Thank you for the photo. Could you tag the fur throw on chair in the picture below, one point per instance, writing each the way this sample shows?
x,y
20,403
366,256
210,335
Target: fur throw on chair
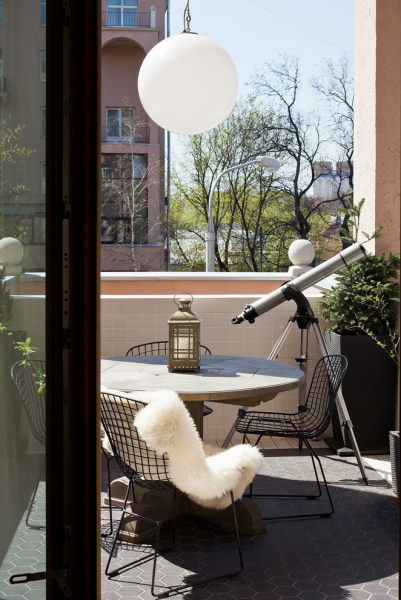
x,y
205,473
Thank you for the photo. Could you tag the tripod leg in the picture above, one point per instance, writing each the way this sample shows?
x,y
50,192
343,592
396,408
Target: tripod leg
x,y
342,408
272,356
278,345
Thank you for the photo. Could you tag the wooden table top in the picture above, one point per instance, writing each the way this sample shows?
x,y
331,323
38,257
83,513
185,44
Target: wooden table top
x,y
228,379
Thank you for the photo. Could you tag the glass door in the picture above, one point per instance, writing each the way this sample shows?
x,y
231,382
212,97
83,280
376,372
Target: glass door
x,y
22,296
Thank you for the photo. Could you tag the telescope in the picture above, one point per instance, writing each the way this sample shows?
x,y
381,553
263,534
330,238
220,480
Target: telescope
x,y
291,291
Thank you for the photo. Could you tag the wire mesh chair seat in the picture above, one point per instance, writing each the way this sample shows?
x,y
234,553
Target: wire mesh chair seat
x,y
161,349
26,375
144,468
308,423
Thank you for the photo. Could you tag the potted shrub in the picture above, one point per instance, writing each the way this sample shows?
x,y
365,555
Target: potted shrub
x,y
364,315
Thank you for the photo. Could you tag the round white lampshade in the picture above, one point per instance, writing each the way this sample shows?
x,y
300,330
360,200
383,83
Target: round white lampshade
x,y
188,84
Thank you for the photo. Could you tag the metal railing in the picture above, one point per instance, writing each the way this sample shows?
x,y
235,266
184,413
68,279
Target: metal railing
x,y
3,87
117,18
120,135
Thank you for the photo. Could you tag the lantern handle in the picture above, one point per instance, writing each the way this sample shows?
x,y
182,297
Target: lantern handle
x,y
183,293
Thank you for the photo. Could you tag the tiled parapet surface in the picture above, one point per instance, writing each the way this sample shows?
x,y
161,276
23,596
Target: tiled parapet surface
x,y
352,555
128,321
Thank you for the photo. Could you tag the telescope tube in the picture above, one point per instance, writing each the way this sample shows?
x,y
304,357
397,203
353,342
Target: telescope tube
x,y
342,259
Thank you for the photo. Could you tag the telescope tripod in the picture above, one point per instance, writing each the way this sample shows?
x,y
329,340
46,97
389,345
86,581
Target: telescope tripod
x,y
305,318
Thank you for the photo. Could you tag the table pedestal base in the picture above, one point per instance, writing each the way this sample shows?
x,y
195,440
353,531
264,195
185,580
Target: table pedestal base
x,y
154,504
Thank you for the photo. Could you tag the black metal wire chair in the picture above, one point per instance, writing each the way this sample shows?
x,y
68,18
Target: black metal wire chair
x,y
308,423
26,374
143,467
159,349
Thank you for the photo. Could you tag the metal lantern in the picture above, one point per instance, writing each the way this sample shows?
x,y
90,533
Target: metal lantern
x,y
184,337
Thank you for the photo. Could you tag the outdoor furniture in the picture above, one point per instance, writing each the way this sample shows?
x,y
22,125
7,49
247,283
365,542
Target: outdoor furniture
x,y
227,379
309,422
25,374
139,444
161,349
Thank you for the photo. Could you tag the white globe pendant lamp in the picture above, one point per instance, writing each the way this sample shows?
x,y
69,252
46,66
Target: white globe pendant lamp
x,y
188,84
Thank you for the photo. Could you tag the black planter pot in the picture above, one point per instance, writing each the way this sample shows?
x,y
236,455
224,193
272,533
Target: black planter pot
x,y
11,445
369,389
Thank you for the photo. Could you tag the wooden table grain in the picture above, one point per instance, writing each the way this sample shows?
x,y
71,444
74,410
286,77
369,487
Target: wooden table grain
x,y
234,380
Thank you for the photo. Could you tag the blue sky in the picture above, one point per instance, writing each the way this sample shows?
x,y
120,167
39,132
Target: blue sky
x,y
252,36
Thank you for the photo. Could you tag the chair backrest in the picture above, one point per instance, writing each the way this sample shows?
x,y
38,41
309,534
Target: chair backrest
x,y
26,375
327,377
156,348
141,465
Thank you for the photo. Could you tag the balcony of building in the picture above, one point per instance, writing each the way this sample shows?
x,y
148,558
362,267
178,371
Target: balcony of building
x,y
120,136
352,555
128,19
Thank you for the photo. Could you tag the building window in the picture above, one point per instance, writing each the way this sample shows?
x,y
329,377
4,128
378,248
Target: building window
x,y
1,12
43,66
119,124
43,13
43,178
124,198
43,122
39,230
122,13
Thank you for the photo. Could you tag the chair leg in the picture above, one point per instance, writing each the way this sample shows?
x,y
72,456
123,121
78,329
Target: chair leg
x,y
158,524
182,588
32,503
307,496
321,515
312,451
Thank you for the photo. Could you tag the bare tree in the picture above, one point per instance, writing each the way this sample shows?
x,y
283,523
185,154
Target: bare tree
x,y
335,86
127,180
299,139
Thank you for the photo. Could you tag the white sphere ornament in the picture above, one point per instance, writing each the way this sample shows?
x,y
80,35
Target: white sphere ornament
x,y
11,252
301,252
188,84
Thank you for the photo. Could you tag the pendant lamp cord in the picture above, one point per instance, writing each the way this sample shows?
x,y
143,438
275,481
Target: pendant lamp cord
x,y
187,18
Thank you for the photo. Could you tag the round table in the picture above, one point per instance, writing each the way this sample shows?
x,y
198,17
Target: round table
x,y
234,380
228,379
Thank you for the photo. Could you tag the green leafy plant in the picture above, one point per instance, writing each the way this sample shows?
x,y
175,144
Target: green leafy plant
x,y
353,218
25,348
360,303
41,382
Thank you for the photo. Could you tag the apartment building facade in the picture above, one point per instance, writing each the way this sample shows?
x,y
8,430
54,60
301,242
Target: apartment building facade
x,y
132,144
333,181
23,127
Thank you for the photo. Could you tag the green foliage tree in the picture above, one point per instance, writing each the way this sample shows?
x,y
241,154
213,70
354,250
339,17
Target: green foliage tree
x,y
242,197
361,302
13,189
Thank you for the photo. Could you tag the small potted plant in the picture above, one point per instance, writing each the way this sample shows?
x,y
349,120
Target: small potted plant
x,y
363,312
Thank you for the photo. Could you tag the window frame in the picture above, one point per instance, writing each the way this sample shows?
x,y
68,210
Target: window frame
x,y
120,137
114,9
43,118
41,55
42,177
42,13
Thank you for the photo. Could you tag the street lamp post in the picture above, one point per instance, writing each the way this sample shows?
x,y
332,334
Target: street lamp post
x,y
270,164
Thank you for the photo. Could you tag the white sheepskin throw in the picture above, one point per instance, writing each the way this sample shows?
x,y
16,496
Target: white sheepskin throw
x,y
205,473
